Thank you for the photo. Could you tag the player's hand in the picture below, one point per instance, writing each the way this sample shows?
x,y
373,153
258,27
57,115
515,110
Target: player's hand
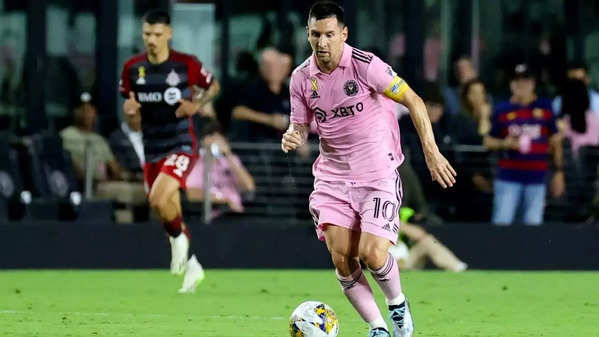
x,y
511,143
291,140
131,105
279,121
223,145
441,170
186,108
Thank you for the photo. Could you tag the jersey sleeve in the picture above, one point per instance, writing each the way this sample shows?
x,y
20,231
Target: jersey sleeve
x,y
300,113
125,81
198,74
382,79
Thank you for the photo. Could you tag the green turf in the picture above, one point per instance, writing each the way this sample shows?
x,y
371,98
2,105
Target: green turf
x,y
257,303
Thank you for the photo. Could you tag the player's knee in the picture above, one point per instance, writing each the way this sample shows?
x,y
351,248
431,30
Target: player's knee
x,y
157,202
374,256
344,263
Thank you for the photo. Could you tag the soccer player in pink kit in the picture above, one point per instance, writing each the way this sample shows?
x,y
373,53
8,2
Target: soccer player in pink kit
x,y
357,190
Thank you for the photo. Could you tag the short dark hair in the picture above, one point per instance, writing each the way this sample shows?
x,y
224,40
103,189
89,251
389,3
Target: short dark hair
x,y
327,9
208,126
577,64
430,93
154,16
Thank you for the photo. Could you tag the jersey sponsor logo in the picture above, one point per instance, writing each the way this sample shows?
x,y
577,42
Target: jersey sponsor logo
x,y
531,130
172,95
351,88
173,78
346,111
321,115
149,97
340,112
141,75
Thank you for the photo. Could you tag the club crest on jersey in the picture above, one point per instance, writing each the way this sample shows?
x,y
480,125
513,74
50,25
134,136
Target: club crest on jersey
x,y
538,113
141,75
173,78
351,88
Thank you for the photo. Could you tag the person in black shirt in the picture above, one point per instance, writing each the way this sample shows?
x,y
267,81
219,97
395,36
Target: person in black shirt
x,y
262,114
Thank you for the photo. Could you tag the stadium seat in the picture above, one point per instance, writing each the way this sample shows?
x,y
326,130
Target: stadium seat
x,y
53,182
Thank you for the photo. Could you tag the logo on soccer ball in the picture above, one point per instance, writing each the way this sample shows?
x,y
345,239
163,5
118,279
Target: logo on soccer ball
x,y
172,95
351,88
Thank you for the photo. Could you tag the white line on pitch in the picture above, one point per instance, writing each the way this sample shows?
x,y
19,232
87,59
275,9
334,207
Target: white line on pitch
x,y
22,312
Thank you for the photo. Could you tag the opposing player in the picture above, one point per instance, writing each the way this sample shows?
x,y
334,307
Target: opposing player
x,y
168,87
357,190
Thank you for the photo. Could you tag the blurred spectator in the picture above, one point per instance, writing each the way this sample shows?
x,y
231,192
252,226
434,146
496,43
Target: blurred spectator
x,y
414,195
579,71
524,129
262,113
246,70
580,125
464,72
229,178
84,144
127,145
474,121
423,246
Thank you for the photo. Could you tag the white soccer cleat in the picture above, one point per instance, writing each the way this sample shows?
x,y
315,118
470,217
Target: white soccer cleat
x,y
194,275
401,318
179,251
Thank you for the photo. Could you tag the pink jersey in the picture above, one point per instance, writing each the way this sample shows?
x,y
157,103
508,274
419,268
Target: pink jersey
x,y
359,135
224,182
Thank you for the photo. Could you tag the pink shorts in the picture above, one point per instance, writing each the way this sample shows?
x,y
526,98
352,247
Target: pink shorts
x,y
370,207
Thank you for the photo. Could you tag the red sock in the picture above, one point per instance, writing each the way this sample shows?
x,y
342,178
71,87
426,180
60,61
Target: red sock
x,y
173,227
187,232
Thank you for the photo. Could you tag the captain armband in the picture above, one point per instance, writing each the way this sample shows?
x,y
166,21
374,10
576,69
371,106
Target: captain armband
x,y
396,89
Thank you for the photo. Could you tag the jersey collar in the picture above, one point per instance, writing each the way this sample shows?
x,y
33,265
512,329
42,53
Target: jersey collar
x,y
344,62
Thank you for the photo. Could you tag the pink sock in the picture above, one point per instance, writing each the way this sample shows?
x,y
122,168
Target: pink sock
x,y
387,278
358,292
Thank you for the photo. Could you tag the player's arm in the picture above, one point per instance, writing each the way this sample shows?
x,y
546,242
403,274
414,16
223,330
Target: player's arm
x,y
558,184
203,97
131,106
497,144
440,169
275,120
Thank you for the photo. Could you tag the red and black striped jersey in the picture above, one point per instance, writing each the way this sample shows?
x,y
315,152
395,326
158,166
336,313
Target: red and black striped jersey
x,y
536,122
158,88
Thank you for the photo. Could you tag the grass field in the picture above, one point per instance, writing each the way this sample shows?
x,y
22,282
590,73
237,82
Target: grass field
x,y
243,303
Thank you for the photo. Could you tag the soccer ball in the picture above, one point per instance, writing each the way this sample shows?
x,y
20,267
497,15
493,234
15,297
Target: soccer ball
x,y
313,319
